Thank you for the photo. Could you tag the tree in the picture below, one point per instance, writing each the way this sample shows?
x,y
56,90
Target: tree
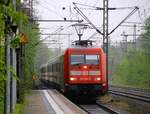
x,y
145,37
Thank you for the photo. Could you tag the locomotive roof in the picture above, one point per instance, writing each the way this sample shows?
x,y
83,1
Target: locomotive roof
x,y
81,48
51,60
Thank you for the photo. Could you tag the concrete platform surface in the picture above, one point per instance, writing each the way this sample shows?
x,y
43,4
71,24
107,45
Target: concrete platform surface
x,y
50,102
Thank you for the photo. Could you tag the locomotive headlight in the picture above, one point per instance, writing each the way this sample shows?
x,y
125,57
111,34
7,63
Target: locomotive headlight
x,y
85,67
72,79
98,78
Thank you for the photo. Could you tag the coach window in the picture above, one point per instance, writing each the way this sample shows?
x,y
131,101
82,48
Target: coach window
x,y
92,59
52,68
49,68
77,59
57,67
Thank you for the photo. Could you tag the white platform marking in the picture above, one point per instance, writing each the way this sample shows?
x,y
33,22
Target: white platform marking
x,y
56,108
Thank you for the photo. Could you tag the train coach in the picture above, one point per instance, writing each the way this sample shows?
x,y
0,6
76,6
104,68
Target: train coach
x,y
79,71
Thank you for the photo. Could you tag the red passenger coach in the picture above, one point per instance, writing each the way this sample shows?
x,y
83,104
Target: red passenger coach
x,y
78,71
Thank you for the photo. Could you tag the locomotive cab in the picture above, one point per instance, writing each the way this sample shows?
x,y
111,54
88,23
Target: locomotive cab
x,y
85,69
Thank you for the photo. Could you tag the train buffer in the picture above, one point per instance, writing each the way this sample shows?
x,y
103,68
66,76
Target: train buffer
x,y
50,102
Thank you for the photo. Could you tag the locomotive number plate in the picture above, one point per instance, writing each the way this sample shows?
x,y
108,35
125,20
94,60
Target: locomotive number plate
x,y
85,79
84,72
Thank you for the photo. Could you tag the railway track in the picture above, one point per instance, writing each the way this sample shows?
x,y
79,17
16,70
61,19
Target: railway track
x,y
98,109
138,94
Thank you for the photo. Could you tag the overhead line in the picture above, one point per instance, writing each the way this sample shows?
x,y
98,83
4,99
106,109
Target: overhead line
x,y
82,14
130,26
85,5
99,8
132,12
59,20
134,23
55,34
130,35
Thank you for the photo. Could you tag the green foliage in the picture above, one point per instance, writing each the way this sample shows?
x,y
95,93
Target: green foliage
x,y
15,42
31,48
30,52
1,107
13,73
2,79
134,67
146,37
2,68
2,24
133,71
7,10
36,53
2,82
17,17
42,56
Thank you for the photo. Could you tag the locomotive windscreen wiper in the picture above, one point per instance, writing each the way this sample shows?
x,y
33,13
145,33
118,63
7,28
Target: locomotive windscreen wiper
x,y
77,63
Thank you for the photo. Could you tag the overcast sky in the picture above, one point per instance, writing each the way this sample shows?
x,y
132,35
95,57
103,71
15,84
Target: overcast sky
x,y
59,9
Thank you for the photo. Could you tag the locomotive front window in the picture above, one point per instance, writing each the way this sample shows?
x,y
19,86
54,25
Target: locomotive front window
x,y
92,59
77,59
84,59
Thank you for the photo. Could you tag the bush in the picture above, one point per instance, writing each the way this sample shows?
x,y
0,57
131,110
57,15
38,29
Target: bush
x,y
133,71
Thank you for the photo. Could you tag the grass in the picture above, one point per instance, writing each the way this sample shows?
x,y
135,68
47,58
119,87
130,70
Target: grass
x,y
130,106
105,99
19,109
1,107
122,105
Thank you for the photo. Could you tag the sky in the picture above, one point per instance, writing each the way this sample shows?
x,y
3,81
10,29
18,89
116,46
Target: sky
x,y
60,9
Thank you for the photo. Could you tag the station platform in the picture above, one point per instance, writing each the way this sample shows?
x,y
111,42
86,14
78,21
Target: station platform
x,y
50,102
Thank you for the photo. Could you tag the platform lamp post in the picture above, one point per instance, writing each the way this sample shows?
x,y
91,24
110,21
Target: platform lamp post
x,y
79,27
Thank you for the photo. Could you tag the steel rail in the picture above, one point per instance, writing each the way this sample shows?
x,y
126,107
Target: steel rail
x,y
131,93
98,108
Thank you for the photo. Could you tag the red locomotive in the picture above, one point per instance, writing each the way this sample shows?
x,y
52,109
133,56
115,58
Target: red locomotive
x,y
78,71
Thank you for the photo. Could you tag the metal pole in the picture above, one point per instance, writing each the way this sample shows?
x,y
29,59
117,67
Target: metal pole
x,y
13,80
134,36
7,104
105,34
80,37
69,40
19,73
125,43
13,98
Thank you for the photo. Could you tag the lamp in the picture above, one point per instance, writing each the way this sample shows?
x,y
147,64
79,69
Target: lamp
x,y
79,27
